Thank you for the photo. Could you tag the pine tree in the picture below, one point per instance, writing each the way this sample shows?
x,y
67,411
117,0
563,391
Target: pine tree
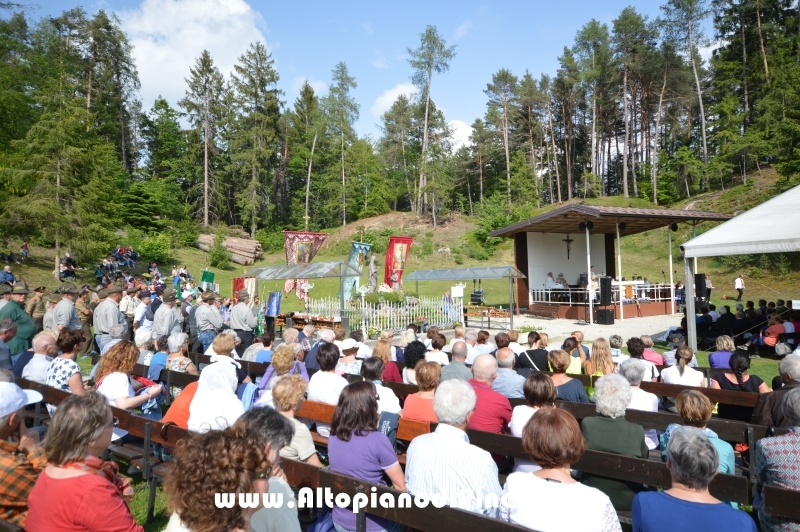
x,y
501,92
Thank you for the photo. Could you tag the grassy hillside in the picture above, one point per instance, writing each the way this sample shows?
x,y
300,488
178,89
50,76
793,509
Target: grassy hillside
x,y
644,254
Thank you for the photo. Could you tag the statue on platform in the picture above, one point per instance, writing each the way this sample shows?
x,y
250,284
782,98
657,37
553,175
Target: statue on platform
x,y
372,282
395,279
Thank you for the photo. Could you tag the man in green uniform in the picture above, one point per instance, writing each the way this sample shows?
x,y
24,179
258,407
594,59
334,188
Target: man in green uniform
x,y
15,311
37,306
85,315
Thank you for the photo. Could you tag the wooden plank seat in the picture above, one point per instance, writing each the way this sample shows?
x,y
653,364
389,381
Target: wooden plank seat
x,y
781,502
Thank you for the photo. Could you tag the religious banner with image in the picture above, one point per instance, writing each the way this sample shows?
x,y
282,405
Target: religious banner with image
x,y
396,255
357,259
300,247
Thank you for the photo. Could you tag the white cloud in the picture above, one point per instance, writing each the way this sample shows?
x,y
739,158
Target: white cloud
x,y
320,87
461,132
380,62
706,51
463,29
169,35
367,27
388,97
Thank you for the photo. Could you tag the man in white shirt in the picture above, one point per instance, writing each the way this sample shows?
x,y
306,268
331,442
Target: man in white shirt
x,y
738,284
712,311
325,385
127,305
44,349
140,314
243,321
443,462
471,338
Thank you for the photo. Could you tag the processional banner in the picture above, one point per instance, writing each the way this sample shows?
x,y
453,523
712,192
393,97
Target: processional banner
x,y
396,255
300,247
357,259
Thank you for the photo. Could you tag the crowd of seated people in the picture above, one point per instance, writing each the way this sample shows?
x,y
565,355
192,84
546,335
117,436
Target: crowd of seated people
x,y
540,493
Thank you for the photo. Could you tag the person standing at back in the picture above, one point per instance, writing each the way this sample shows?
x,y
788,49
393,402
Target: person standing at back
x,y
738,284
243,322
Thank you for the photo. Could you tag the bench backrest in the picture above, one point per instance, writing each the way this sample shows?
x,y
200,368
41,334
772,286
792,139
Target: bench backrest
x,y
251,368
781,502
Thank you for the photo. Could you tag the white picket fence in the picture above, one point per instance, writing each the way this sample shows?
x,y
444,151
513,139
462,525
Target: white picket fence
x,y
393,316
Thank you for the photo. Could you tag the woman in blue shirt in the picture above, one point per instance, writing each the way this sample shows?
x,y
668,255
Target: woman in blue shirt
x,y
692,461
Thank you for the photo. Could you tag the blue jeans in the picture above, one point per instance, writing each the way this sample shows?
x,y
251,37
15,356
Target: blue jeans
x,y
206,338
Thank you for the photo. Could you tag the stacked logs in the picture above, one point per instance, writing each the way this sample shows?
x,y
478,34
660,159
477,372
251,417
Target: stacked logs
x,y
243,251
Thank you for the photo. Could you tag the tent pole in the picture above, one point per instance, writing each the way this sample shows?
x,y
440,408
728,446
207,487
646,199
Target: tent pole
x,y
589,277
511,302
691,324
694,235
619,273
671,280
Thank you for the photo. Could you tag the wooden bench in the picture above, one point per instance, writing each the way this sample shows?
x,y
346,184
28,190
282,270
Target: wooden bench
x,y
781,502
251,368
429,519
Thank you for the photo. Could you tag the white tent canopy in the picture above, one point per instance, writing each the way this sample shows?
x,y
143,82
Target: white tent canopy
x,y
772,227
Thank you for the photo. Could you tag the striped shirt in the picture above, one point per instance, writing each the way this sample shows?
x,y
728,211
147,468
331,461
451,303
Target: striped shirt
x,y
444,462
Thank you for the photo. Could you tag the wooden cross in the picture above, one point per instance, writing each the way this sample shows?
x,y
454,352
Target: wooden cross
x,y
569,242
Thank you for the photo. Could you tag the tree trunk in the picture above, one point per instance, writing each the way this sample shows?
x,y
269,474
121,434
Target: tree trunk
x,y
480,171
553,140
469,193
567,162
654,161
308,179
746,119
627,132
700,96
634,144
122,122
411,197
205,169
505,143
344,190
423,203
594,120
761,40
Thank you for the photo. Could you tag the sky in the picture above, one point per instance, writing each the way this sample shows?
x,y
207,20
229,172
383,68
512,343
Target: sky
x,y
307,39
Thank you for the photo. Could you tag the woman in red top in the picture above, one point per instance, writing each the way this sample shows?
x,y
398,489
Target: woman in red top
x,y
78,491
419,405
383,350
774,330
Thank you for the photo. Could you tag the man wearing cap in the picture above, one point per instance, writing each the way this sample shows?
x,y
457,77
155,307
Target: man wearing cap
x,y
22,458
243,321
15,311
208,319
186,306
85,314
107,314
37,306
65,315
139,315
49,318
165,320
127,305
5,294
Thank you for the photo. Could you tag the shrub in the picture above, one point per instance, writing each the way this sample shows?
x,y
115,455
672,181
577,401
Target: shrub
x,y
218,255
459,258
186,232
392,297
373,298
271,240
477,253
156,247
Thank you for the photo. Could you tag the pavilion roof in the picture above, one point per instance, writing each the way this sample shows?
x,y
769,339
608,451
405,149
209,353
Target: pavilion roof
x,y
604,219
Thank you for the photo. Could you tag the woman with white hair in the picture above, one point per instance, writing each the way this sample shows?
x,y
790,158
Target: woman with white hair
x,y
778,459
692,462
176,360
634,370
215,405
609,432
144,342
236,341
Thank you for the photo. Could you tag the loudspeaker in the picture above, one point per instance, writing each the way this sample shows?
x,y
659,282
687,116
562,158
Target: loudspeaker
x,y
605,291
584,280
699,305
700,285
604,317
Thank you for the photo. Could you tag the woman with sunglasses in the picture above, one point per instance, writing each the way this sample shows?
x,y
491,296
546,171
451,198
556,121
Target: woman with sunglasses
x,y
78,491
356,448
64,372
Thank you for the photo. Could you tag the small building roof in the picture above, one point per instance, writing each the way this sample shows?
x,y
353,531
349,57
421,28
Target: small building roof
x,y
312,270
604,218
460,274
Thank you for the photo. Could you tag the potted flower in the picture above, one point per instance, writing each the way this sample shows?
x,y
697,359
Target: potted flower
x,y
373,332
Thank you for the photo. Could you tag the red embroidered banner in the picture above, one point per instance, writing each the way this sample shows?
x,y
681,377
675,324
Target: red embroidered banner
x,y
396,255
300,247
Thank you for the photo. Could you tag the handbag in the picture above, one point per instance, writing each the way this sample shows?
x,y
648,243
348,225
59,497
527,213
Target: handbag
x,y
782,349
